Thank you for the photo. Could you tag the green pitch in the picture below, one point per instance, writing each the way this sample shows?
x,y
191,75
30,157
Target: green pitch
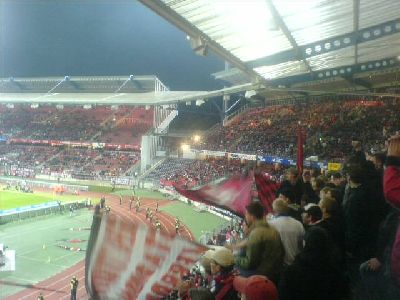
x,y
38,255
14,199
196,221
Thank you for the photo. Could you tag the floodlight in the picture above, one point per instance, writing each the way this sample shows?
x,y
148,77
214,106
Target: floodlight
x,y
185,147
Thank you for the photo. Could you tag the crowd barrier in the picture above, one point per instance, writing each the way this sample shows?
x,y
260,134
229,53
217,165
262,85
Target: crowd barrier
x,y
33,211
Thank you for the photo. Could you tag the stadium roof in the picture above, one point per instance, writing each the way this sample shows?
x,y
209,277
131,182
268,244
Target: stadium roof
x,y
82,84
287,42
101,90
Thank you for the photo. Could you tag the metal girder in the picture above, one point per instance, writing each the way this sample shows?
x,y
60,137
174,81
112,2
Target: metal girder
x,y
181,23
281,24
358,81
331,44
356,21
342,71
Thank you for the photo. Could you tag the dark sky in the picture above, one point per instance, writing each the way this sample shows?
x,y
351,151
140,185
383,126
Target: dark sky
x,y
98,37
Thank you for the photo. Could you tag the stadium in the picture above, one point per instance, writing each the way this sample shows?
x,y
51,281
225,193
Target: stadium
x,y
278,180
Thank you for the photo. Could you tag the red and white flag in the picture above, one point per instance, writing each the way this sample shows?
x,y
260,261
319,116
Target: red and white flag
x,y
267,189
132,261
234,194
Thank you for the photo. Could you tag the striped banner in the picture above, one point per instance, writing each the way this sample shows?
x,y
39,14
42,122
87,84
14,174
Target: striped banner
x,y
132,261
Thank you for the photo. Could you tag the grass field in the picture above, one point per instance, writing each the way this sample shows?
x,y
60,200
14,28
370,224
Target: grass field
x,y
14,199
196,221
35,262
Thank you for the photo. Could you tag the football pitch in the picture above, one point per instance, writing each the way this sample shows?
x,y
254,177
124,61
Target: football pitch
x,y
12,199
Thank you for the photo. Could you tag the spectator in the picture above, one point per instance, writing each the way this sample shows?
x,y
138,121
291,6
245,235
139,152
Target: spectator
x,y
294,210
221,268
313,275
376,281
255,287
357,216
264,250
392,196
292,184
311,215
333,224
290,230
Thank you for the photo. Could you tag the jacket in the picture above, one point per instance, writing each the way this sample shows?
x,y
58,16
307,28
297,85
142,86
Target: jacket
x,y
264,251
357,215
391,189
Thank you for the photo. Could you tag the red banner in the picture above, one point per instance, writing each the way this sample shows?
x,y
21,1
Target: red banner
x,y
234,194
131,261
267,189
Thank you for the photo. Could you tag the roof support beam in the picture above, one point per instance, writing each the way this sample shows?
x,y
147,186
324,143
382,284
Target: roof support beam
x,y
343,71
331,44
181,23
356,21
281,24
358,81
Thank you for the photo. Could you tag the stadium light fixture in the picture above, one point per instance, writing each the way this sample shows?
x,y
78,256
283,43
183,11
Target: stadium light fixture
x,y
185,147
196,138
199,102
34,105
10,105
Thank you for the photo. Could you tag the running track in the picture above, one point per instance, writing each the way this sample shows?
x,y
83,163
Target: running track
x,y
58,286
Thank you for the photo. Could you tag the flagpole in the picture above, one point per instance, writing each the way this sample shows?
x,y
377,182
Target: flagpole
x,y
300,148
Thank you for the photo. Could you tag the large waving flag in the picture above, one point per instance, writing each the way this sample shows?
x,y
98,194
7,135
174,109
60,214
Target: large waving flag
x,y
132,261
267,189
234,194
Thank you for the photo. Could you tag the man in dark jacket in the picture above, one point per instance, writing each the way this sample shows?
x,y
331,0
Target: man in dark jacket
x,y
264,249
357,216
293,184
313,275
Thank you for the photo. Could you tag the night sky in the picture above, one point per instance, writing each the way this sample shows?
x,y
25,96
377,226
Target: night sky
x,y
98,37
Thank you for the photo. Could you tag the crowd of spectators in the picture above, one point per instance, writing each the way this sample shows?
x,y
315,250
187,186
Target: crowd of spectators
x,y
124,125
331,235
188,173
29,161
74,123
329,128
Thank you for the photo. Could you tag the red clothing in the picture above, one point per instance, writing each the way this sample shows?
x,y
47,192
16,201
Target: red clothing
x,y
391,186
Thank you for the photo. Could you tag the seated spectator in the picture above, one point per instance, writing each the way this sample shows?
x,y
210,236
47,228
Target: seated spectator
x,y
311,215
290,230
313,275
255,287
221,262
264,250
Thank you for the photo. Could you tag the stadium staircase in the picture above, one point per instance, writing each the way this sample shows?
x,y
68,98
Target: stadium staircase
x,y
165,123
134,168
153,167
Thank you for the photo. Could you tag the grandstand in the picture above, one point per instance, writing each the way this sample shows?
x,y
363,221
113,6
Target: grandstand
x,y
310,98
